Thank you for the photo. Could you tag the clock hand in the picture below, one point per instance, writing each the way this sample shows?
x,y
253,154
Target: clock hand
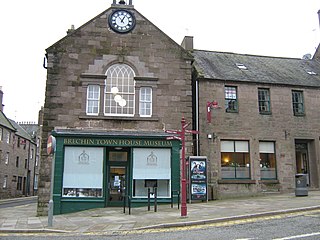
x,y
123,18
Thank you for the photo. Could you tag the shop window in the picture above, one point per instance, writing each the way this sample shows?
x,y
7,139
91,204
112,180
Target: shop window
x,y
267,160
119,91
231,100
145,107
83,172
264,101
93,99
151,164
297,103
235,160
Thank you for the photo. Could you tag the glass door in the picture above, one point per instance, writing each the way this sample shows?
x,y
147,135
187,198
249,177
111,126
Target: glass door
x,y
117,184
117,176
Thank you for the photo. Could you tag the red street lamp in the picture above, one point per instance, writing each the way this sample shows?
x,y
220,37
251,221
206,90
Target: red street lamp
x,y
181,137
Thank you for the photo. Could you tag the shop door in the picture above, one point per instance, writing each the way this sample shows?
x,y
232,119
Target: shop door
x,y
117,177
117,185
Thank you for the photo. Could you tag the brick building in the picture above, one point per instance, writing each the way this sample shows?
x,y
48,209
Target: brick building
x,y
115,84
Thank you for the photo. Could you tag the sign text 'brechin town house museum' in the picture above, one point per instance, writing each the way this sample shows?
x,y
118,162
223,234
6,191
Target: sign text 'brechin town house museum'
x,y
115,86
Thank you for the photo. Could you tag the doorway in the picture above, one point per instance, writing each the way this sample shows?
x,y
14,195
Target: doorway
x,y
117,176
302,159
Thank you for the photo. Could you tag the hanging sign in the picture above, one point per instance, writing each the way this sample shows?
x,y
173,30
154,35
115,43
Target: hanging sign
x,y
198,177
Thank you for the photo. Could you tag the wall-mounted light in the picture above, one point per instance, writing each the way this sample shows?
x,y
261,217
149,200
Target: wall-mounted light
x,y
211,105
212,136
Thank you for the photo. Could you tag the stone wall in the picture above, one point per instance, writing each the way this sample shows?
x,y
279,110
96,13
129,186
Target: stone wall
x,y
88,52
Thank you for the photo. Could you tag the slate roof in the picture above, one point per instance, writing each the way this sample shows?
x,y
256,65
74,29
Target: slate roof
x,y
4,121
260,69
20,131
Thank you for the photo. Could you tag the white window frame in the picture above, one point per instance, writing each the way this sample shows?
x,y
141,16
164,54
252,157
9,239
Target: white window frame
x,y
145,98
119,91
93,100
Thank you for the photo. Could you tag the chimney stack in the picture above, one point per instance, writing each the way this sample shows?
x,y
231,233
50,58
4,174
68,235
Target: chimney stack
x,y
319,17
187,43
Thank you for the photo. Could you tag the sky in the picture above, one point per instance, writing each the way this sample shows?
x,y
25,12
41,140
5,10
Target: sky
x,y
281,28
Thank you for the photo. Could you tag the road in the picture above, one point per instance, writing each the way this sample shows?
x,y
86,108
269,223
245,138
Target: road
x,y
305,226
17,202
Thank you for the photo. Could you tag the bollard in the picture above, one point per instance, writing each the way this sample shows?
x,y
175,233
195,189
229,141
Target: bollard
x,y
155,198
148,199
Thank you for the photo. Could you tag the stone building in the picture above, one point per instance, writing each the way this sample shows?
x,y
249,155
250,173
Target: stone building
x,y
117,83
114,85
259,121
17,159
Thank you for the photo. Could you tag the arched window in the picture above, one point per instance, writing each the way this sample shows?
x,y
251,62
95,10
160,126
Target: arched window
x,y
119,91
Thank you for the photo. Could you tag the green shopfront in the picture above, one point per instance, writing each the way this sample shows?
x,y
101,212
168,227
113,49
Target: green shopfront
x,y
97,169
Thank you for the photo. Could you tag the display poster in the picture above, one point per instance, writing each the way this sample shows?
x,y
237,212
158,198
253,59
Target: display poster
x,y
198,177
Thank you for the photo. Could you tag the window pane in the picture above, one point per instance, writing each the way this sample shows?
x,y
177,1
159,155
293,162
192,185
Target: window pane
x,y
264,100
227,146
83,172
145,107
267,160
297,102
266,147
93,99
235,160
242,146
231,102
119,90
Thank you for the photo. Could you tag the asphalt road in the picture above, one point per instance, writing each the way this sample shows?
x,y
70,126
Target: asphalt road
x,y
305,226
17,202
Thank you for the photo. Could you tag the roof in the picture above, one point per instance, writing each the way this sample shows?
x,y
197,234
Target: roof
x,y
257,69
4,121
20,131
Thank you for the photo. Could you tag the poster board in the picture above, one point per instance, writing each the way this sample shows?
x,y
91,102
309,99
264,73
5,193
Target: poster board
x,y
198,178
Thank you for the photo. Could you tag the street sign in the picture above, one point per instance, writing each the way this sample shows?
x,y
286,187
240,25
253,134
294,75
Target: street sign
x,y
51,144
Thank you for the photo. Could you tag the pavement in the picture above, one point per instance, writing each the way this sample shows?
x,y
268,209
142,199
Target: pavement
x,y
23,219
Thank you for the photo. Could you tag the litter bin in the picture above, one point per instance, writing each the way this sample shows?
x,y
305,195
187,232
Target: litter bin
x,y
301,184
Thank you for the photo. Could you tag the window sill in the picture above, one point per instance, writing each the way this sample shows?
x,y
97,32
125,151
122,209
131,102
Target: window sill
x,y
269,181
265,113
236,181
134,118
299,114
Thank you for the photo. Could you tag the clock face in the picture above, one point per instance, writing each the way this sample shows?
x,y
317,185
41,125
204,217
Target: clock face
x,y
122,21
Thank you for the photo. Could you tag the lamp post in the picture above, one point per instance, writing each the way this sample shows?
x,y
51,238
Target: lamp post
x,y
181,137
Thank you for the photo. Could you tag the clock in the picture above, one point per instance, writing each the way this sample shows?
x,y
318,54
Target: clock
x,y
122,21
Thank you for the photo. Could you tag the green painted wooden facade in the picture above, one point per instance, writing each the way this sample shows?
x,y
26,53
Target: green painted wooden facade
x,y
64,204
